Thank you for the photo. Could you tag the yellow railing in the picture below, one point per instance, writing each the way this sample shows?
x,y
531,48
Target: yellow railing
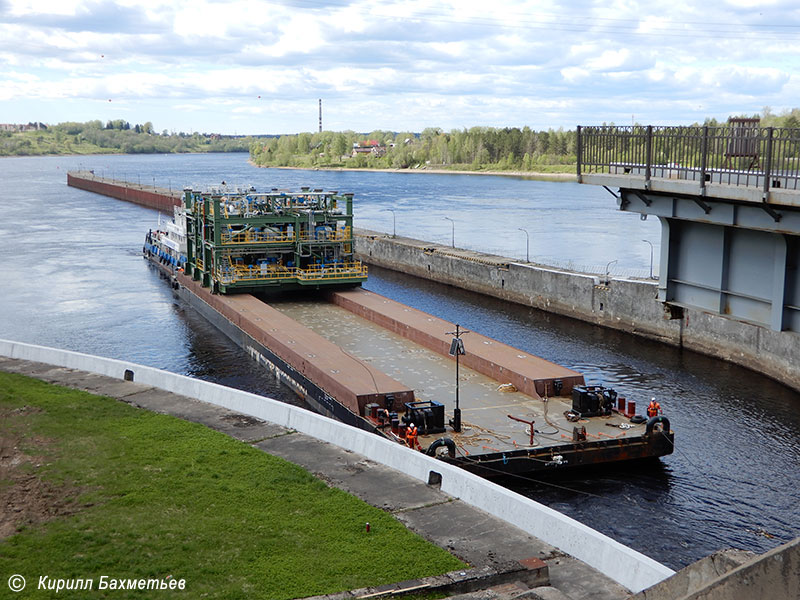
x,y
236,274
255,237
336,235
200,264
325,272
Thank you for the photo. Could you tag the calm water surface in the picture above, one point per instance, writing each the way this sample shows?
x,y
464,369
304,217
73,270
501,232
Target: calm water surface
x,y
73,277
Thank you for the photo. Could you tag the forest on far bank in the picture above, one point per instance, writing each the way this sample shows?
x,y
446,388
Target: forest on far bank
x,y
478,148
474,149
113,137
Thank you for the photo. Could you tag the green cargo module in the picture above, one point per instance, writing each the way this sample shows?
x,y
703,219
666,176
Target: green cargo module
x,y
244,241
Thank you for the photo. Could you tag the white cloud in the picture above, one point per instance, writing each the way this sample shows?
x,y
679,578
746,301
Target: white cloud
x,y
574,74
397,64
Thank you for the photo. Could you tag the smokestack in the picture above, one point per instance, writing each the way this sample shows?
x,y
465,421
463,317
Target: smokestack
x,y
320,115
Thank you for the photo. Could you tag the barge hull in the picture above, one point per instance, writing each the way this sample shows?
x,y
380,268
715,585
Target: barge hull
x,y
152,197
568,456
279,343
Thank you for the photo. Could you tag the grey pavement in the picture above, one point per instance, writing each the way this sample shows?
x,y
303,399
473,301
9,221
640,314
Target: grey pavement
x,y
472,535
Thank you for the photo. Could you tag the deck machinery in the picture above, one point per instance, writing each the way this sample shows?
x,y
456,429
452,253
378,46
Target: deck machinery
x,y
243,241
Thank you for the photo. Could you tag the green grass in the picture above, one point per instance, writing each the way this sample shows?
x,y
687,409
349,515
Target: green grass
x,y
158,496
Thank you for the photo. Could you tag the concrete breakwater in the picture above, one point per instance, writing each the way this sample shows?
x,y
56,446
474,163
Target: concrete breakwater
x,y
624,304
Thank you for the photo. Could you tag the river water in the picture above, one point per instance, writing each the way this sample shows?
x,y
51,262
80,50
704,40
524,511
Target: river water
x,y
73,278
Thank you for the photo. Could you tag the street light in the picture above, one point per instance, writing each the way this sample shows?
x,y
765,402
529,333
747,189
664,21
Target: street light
x,y
453,238
394,221
608,269
527,244
457,349
651,257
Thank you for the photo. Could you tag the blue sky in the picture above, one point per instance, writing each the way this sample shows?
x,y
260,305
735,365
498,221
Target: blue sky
x,y
248,66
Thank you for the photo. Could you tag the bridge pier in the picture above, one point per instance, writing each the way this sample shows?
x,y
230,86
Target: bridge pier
x,y
730,242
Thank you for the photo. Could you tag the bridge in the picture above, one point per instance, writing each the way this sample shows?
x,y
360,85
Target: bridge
x,y
728,199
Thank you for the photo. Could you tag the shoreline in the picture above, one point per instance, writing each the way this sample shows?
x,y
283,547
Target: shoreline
x,y
521,174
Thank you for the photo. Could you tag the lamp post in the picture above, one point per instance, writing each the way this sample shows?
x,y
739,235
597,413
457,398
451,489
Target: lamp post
x,y
651,257
453,237
527,244
608,269
394,222
457,349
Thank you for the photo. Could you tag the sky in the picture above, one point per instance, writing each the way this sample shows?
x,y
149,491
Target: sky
x,y
256,67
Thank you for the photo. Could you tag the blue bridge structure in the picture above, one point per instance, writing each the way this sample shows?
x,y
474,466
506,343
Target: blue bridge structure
x,y
728,199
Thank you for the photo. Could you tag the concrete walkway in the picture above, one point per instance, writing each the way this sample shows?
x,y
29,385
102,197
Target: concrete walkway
x,y
483,541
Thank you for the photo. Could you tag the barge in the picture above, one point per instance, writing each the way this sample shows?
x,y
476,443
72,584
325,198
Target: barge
x,y
377,364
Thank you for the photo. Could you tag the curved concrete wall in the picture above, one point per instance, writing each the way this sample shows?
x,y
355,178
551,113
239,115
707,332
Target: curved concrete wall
x,y
626,566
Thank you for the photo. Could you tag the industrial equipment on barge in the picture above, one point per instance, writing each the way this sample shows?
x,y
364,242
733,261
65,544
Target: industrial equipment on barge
x,y
521,413
245,241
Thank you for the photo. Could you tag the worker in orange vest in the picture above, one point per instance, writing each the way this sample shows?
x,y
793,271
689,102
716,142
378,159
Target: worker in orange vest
x,y
654,408
411,437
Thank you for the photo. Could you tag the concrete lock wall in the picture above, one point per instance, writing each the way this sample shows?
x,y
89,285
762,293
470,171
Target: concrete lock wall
x,y
626,566
628,305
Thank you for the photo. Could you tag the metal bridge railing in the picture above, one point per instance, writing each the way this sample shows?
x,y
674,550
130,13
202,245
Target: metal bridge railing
x,y
764,157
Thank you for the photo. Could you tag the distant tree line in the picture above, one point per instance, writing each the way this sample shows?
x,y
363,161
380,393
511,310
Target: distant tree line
x,y
477,148
117,136
510,148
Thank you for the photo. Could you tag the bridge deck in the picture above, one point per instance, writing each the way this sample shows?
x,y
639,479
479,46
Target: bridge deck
x,y
732,162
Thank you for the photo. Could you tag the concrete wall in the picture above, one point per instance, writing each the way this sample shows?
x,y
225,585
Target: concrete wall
x,y
735,575
774,575
626,566
628,305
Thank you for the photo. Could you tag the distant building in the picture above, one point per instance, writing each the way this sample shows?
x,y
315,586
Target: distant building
x,y
372,147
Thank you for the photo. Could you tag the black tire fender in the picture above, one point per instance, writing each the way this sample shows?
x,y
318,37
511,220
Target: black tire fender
x,y
440,442
653,421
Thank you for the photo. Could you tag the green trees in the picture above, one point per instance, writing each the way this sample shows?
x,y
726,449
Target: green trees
x,y
477,148
117,136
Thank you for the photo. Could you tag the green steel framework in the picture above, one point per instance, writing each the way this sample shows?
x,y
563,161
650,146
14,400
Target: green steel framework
x,y
244,241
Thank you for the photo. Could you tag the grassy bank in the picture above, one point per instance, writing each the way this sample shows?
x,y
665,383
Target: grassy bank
x,y
537,175
107,489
